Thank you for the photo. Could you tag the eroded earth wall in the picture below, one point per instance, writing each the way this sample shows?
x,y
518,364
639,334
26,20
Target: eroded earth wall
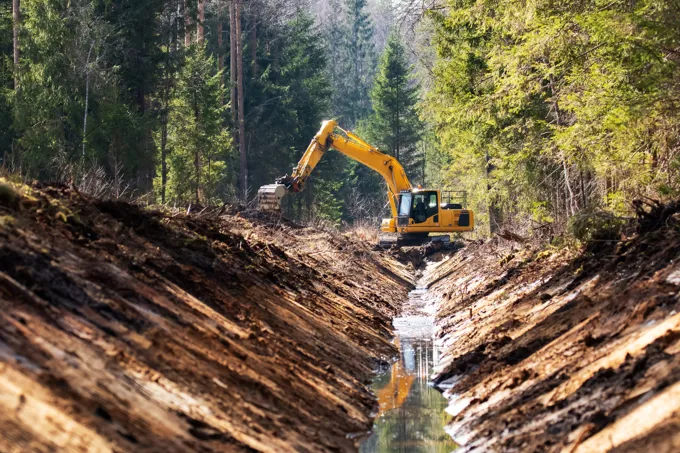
x,y
128,330
557,351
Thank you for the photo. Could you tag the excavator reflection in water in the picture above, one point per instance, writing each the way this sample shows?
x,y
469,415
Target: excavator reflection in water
x,y
393,395
412,415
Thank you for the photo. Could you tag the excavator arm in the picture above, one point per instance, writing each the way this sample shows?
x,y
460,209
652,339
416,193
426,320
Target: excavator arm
x,y
348,144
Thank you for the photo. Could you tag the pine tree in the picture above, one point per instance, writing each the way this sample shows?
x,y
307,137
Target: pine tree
x,y
395,127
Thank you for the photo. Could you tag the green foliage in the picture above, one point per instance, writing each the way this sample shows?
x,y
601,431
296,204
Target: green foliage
x,y
327,204
69,65
562,106
349,36
394,126
6,80
110,84
285,105
351,50
596,226
198,144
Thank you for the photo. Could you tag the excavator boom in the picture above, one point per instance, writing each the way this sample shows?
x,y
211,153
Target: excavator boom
x,y
349,144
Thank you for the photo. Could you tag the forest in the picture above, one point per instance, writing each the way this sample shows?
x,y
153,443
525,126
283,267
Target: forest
x,y
159,294
546,113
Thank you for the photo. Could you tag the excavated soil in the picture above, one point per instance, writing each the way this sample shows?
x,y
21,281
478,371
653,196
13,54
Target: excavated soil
x,y
559,351
124,329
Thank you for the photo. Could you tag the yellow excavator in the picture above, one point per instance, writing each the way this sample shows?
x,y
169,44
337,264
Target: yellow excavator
x,y
416,212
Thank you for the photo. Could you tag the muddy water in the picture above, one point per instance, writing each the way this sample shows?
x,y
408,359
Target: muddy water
x,y
412,414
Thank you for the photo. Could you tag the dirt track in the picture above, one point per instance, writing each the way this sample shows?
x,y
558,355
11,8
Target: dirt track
x,y
559,352
126,330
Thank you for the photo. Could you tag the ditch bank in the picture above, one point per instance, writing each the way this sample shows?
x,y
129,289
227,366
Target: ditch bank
x,y
124,329
558,351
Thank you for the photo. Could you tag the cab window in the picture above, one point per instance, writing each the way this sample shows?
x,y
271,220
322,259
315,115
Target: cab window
x,y
425,205
405,204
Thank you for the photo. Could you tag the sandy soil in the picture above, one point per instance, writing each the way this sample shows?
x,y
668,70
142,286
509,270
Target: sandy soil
x,y
563,351
123,329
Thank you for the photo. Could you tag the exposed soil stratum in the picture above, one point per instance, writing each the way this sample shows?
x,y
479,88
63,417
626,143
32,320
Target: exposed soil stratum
x,y
557,351
125,329
128,330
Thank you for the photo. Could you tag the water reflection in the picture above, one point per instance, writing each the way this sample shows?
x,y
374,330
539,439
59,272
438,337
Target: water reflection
x,y
412,414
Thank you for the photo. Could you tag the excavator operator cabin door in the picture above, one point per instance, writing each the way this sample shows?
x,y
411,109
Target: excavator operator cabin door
x,y
425,205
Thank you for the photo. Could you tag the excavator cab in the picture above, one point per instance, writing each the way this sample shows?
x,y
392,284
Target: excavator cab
x,y
418,207
424,211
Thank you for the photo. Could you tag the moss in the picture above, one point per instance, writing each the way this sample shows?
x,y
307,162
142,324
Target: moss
x,y
544,254
7,221
9,196
60,215
16,194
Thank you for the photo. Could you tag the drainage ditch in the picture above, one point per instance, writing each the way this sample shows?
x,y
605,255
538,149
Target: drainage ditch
x,y
412,415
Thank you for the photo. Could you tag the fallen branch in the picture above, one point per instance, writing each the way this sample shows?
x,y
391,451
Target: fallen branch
x,y
513,237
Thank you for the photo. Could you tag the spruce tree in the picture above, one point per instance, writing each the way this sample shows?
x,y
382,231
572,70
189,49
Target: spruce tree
x,y
198,143
352,55
394,126
361,60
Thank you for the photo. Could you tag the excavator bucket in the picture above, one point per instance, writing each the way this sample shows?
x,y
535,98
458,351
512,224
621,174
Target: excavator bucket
x,y
269,197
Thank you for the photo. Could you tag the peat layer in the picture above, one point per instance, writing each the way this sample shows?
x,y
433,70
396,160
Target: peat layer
x,y
123,329
558,351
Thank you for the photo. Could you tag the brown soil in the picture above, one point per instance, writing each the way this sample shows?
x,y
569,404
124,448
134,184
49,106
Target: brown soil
x,y
563,352
124,329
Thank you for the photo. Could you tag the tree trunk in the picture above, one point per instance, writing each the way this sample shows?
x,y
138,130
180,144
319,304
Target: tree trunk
x,y
243,167
253,44
187,24
16,17
569,192
232,63
197,160
424,163
164,158
493,210
87,97
173,44
220,50
397,118
200,26
558,121
584,195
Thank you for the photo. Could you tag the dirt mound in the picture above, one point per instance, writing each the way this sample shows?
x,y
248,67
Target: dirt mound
x,y
124,329
418,256
561,351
